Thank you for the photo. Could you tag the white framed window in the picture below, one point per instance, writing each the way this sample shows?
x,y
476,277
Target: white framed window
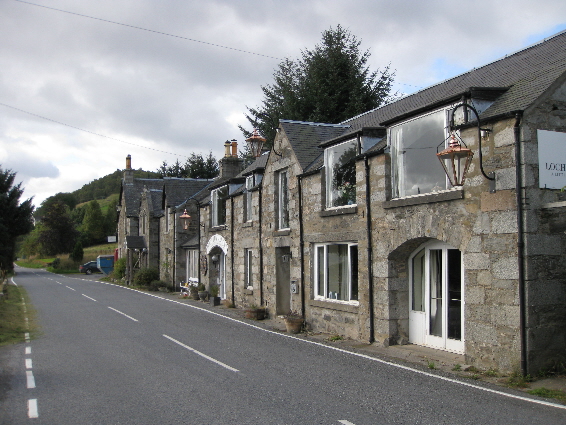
x,y
340,166
218,210
248,271
282,200
414,164
192,264
336,272
248,198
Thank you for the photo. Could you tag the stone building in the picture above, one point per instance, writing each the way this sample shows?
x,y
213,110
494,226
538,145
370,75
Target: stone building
x,y
357,227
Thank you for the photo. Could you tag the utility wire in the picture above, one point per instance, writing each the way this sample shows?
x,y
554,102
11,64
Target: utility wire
x,y
88,131
148,30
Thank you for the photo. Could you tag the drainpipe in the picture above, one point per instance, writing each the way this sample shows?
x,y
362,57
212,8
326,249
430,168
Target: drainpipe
x,y
520,243
260,249
174,250
232,247
301,245
369,252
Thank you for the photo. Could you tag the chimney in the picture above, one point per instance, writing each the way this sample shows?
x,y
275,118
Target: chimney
x,y
128,172
230,165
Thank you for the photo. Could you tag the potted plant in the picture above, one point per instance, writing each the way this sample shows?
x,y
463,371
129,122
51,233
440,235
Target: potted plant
x,y
213,292
193,289
254,312
202,292
293,322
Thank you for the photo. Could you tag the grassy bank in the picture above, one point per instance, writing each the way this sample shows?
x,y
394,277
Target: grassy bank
x,y
12,315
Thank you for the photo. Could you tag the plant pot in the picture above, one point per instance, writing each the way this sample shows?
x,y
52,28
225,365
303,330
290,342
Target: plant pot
x,y
294,324
203,295
195,296
214,301
255,313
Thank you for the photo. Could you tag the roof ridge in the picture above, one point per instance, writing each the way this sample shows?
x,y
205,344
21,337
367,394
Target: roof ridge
x,y
317,124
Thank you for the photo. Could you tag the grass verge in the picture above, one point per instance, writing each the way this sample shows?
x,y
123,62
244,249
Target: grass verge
x,y
546,393
12,316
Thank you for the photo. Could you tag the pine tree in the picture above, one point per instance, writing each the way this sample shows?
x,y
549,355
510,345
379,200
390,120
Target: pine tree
x,y
329,84
15,219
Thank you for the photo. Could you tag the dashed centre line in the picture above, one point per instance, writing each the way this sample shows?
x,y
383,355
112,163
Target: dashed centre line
x,y
123,314
32,408
30,379
86,296
28,364
202,354
70,288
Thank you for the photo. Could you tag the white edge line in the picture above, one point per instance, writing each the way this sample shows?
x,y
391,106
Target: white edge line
x,y
364,356
86,296
124,314
201,354
32,408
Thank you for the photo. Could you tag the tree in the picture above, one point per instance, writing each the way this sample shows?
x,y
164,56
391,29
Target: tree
x,y
196,167
94,225
57,234
329,84
15,219
78,252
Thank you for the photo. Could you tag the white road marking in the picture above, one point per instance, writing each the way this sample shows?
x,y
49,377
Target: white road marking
x,y
123,314
86,296
28,351
26,336
346,422
28,364
201,354
364,356
30,379
70,288
32,408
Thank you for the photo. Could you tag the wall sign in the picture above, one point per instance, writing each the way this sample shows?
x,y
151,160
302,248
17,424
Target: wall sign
x,y
551,159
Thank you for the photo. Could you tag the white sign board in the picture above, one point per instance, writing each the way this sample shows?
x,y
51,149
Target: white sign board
x,y
551,159
111,239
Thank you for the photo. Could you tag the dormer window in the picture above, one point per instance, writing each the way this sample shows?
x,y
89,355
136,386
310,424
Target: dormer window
x,y
340,165
218,210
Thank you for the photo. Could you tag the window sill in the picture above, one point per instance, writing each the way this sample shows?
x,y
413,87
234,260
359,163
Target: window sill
x,y
248,224
335,305
347,209
217,228
283,232
426,198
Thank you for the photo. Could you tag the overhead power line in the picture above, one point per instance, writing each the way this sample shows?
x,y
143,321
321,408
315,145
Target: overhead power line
x,y
88,131
148,30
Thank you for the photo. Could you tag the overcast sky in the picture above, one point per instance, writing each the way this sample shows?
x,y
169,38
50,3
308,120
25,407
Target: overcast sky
x,y
182,83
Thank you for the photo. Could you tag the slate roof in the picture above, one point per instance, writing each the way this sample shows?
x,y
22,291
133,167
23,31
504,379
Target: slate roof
x,y
177,191
258,164
305,137
526,73
135,242
132,194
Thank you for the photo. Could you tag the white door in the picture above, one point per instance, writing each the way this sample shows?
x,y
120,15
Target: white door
x,y
436,297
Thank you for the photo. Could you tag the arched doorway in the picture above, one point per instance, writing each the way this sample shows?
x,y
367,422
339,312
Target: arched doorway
x,y
216,249
436,294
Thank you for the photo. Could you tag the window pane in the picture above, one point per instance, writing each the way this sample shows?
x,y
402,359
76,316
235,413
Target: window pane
x,y
320,271
418,289
354,272
454,294
341,174
413,154
435,292
338,272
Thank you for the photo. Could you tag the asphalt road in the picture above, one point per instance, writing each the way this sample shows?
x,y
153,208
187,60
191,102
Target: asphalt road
x,y
110,355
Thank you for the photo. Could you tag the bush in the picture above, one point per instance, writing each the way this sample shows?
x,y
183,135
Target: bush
x,y
119,268
156,284
144,277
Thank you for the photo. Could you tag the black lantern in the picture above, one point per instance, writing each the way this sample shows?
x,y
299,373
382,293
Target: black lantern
x,y
255,143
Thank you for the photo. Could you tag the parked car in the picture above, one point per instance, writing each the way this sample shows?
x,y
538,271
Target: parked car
x,y
89,268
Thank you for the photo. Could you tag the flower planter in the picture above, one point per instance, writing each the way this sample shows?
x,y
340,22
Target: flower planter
x,y
255,313
294,324
214,301
203,295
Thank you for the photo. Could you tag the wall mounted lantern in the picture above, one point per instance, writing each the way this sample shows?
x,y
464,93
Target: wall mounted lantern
x,y
456,159
186,219
255,143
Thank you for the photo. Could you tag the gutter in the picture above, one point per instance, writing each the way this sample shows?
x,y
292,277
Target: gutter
x,y
520,244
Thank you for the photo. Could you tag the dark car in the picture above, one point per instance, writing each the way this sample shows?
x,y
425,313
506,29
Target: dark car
x,y
89,268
